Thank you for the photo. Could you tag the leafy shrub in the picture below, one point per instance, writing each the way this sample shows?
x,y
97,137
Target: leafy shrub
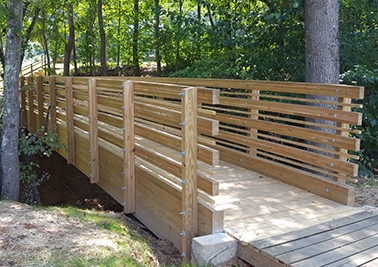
x,y
362,76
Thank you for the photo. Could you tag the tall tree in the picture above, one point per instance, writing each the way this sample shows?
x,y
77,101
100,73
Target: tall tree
x,y
102,38
157,37
9,144
178,34
135,38
71,41
322,46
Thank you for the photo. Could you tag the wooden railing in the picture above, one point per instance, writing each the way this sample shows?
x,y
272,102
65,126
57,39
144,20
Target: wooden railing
x,y
269,127
115,131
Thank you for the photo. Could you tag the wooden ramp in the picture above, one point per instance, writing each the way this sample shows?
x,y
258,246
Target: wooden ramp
x,y
281,225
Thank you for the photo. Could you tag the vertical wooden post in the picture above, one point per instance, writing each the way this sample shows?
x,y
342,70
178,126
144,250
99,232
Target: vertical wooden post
x,y
23,102
30,105
343,133
128,148
70,121
93,131
41,117
53,125
189,170
254,115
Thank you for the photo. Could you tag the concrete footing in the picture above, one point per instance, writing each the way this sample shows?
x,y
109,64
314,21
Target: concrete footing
x,y
213,250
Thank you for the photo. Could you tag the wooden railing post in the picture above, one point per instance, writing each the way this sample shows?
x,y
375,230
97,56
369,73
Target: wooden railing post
x,y
41,116
93,131
53,125
128,149
189,170
254,115
70,121
23,102
31,121
343,133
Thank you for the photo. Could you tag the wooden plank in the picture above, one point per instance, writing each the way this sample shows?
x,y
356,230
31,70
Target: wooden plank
x,y
340,193
293,131
340,252
205,154
320,237
189,170
363,258
295,109
314,250
30,105
294,153
93,130
129,148
52,96
314,230
336,90
41,117
70,121
253,256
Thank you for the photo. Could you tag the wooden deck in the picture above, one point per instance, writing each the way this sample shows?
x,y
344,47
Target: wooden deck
x,y
278,224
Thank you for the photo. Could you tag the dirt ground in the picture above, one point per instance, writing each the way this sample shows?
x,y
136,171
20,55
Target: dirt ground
x,y
367,192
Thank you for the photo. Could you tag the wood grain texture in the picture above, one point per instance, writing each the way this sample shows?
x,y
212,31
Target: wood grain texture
x,y
41,117
189,170
70,121
93,130
31,121
129,148
52,96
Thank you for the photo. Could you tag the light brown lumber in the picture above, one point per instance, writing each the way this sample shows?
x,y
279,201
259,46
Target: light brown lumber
x,y
189,170
336,90
302,155
70,121
293,131
295,109
31,120
331,190
253,256
129,148
52,96
93,131
205,154
41,118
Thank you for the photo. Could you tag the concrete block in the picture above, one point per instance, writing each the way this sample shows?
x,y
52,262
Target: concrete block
x,y
213,250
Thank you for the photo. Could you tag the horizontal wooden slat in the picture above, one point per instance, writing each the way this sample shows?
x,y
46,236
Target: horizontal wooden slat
x,y
293,131
295,109
294,153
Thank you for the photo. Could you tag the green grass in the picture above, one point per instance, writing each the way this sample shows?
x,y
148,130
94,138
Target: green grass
x,y
131,247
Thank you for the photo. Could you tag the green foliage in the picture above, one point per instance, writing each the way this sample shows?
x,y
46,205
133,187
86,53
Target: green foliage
x,y
30,148
362,76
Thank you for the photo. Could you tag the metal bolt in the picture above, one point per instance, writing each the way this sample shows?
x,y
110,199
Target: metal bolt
x,y
182,152
327,189
89,116
182,93
123,129
333,140
245,103
123,203
182,123
183,255
90,162
335,115
123,107
332,164
123,150
87,82
182,181
89,133
337,90
90,175
241,160
88,99
183,213
182,233
123,173
89,151
246,84
123,187
245,122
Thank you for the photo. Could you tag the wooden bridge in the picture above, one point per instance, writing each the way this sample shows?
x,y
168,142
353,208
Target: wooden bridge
x,y
192,157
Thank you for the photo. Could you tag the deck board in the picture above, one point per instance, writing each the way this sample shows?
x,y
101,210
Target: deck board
x,y
281,225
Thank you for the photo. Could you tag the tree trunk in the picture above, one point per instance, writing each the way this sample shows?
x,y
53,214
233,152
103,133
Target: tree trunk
x,y
45,45
210,16
135,38
76,71
157,37
322,48
71,41
102,37
11,109
178,35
